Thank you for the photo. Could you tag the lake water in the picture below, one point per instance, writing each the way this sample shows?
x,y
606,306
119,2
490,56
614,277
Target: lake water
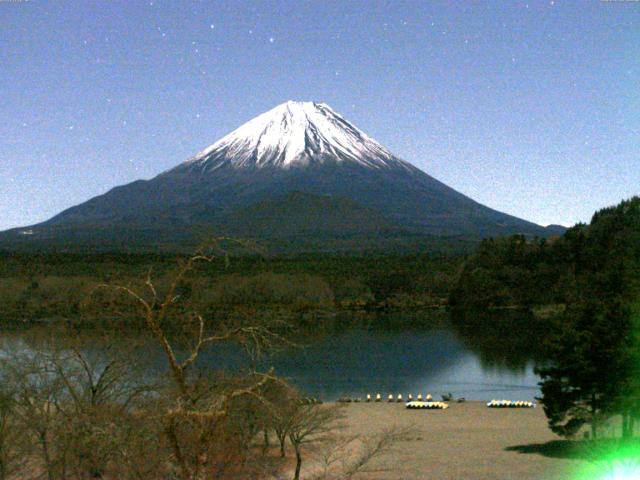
x,y
476,357
358,362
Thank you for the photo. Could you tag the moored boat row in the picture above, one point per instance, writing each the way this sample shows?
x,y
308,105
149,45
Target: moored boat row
x,y
510,404
427,405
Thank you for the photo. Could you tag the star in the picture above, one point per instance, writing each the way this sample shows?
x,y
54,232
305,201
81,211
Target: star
x,y
212,26
271,39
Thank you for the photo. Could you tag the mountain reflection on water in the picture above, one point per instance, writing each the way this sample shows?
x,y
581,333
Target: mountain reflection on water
x,y
474,355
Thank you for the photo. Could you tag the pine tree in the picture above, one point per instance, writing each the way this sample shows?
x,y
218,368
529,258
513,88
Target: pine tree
x,y
594,368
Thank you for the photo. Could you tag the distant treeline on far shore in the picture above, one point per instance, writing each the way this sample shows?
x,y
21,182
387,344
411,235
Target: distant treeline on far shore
x,y
58,285
543,275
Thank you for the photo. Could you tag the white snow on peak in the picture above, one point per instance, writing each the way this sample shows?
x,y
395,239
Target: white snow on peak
x,y
296,133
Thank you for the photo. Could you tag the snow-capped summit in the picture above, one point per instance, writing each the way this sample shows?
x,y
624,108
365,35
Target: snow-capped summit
x,y
296,134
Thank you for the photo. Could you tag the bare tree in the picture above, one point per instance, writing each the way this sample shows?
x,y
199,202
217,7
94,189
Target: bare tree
x,y
37,394
348,457
197,410
139,447
98,393
70,406
284,401
310,424
12,438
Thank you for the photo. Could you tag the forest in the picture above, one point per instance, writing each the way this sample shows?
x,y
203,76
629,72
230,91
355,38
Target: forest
x,y
50,286
591,278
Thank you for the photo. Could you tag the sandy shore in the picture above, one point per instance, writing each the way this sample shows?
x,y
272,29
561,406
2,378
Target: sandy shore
x,y
468,441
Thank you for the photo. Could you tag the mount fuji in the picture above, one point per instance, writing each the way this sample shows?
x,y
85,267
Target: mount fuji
x,y
299,174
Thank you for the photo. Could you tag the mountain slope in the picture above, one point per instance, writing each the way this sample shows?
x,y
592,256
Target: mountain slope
x,y
299,169
305,214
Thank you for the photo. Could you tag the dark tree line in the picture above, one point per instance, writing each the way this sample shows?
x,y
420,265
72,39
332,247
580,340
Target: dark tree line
x,y
595,355
591,367
54,285
514,271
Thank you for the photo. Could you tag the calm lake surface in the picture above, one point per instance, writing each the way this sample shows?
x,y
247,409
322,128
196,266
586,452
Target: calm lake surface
x,y
359,361
478,357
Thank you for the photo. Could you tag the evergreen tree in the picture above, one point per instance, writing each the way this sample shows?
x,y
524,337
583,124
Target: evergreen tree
x,y
594,368
587,370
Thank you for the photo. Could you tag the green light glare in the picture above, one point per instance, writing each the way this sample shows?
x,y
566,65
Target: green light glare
x,y
612,461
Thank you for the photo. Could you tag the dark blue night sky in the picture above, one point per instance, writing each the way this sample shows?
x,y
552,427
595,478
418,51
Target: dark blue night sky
x,y
532,108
